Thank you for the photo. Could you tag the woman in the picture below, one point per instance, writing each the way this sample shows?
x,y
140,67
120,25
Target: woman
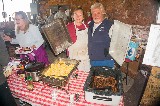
x,y
98,36
78,32
28,35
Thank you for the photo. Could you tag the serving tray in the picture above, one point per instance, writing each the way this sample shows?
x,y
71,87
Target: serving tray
x,y
57,35
58,81
107,79
104,72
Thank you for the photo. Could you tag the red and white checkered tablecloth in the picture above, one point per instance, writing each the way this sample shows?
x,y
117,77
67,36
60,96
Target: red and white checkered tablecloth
x,y
41,95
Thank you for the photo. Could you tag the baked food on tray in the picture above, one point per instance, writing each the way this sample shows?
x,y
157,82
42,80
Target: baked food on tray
x,y
23,50
58,73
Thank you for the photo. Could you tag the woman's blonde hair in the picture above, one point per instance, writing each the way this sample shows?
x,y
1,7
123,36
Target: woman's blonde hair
x,y
26,20
99,6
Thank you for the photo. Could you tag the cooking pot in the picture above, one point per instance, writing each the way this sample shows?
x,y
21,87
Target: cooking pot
x,y
32,69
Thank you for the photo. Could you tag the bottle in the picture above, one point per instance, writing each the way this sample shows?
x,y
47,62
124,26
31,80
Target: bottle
x,y
30,83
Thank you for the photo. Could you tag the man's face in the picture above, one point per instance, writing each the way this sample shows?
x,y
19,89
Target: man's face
x,y
97,15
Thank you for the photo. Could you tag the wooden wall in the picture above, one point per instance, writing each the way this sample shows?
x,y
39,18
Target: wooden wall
x,y
134,12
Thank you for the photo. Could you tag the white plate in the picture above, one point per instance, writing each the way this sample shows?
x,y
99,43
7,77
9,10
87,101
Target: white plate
x,y
20,51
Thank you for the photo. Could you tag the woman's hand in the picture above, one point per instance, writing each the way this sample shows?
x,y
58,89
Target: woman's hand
x,y
33,47
6,38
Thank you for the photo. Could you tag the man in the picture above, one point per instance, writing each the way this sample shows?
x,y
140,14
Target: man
x,y
6,98
98,37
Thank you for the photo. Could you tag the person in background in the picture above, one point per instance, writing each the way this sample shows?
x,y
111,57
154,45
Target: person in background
x,y
78,31
98,37
28,35
89,18
61,14
6,98
50,17
68,13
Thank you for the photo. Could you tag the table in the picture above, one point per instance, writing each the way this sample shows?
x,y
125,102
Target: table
x,y
41,95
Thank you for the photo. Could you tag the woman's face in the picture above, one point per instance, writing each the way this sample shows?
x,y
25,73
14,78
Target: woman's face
x,y
97,15
78,16
19,21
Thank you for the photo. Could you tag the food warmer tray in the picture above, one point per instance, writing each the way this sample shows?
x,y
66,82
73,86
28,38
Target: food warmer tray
x,y
104,95
57,82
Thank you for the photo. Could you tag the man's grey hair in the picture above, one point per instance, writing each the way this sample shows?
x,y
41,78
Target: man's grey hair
x,y
99,6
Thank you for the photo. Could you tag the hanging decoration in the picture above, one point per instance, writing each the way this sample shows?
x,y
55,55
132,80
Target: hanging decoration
x,y
4,14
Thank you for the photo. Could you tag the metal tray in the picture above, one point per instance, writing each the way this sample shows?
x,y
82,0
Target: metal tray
x,y
61,81
57,35
105,72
